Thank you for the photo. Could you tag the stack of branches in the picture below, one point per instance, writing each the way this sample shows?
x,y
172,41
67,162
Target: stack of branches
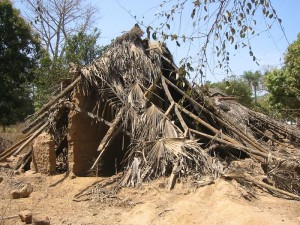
x,y
175,129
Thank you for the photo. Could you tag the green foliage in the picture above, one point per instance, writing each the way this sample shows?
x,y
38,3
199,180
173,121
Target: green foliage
x,y
62,26
263,105
292,61
19,52
254,79
283,92
49,76
284,84
236,87
82,48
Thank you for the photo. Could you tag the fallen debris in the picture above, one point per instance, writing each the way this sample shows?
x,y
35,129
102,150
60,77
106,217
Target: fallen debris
x,y
26,216
40,220
132,110
15,194
24,192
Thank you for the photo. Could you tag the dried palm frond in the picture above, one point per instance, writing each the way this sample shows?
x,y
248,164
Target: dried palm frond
x,y
286,175
169,131
136,97
159,157
148,127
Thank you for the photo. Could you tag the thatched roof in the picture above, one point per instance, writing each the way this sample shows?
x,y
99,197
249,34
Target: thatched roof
x,y
174,128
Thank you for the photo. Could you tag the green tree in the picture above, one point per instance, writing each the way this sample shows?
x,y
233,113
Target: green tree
x,y
64,29
82,48
284,84
237,87
48,78
19,51
254,79
283,92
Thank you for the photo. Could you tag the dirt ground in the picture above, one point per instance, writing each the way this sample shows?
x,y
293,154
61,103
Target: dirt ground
x,y
65,199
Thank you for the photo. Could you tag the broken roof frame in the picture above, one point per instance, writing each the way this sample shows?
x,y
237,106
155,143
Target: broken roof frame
x,y
174,128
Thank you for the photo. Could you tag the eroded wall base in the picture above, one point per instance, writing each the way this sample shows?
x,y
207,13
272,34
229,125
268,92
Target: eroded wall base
x,y
43,157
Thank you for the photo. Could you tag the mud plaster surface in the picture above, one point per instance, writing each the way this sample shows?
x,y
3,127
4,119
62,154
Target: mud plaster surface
x,y
43,157
84,135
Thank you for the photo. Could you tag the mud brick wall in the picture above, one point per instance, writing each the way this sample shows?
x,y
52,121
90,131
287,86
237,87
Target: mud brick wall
x,y
84,135
43,157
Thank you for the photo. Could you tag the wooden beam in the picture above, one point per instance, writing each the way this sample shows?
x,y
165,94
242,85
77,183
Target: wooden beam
x,y
111,130
23,160
35,122
72,106
106,139
91,115
262,184
207,125
169,109
230,126
171,100
34,135
7,153
236,146
59,96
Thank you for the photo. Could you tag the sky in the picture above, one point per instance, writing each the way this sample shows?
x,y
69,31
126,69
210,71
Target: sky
x,y
116,17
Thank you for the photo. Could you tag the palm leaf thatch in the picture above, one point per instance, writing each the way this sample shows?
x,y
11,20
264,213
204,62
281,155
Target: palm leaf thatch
x,y
172,128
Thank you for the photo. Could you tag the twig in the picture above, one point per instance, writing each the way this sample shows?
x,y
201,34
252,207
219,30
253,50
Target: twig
x,y
262,184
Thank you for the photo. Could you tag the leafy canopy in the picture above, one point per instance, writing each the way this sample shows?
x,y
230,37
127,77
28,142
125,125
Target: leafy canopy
x,y
255,80
237,87
19,52
284,84
81,49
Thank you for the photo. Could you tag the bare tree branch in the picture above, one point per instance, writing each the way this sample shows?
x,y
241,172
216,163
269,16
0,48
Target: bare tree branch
x,y
56,20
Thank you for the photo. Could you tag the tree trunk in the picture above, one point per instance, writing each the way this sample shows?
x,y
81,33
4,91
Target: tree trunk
x,y
255,95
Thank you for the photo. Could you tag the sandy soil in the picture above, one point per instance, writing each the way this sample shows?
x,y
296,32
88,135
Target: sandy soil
x,y
218,203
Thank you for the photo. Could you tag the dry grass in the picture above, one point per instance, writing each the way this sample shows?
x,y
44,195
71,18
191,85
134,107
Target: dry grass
x,y
10,135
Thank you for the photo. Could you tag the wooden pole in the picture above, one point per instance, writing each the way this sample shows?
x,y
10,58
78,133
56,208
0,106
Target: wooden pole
x,y
7,153
208,126
23,160
35,122
72,106
59,96
104,142
91,115
111,130
237,146
238,132
34,135
171,100
262,184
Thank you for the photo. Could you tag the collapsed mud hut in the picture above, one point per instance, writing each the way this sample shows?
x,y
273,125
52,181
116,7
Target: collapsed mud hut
x,y
132,112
